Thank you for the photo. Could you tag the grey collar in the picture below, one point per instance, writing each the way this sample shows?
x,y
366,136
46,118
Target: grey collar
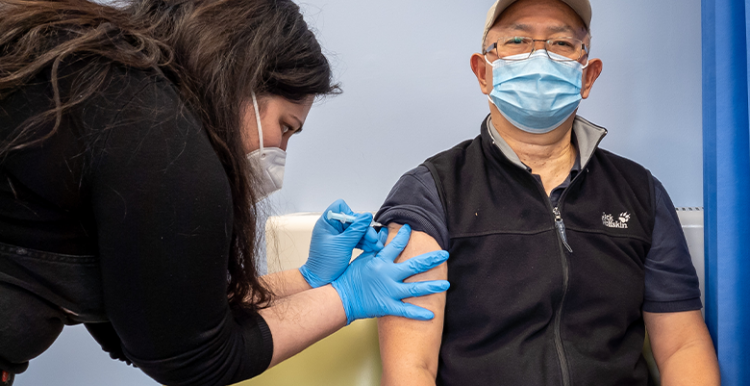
x,y
587,134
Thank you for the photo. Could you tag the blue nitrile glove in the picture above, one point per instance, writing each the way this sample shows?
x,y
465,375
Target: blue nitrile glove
x,y
373,285
373,241
332,244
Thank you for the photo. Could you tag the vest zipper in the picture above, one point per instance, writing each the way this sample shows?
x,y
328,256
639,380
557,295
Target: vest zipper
x,y
562,235
560,225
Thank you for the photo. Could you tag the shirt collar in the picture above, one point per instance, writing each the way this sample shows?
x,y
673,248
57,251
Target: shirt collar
x,y
586,134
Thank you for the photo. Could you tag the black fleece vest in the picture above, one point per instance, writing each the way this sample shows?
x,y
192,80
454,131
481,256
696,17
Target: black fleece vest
x,y
522,308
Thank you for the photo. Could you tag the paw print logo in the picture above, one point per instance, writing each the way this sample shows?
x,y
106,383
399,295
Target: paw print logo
x,y
624,217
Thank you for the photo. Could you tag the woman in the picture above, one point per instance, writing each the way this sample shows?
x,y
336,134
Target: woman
x,y
128,201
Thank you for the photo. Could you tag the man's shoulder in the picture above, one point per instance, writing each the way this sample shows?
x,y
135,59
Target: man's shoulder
x,y
619,161
626,172
460,149
454,152
418,177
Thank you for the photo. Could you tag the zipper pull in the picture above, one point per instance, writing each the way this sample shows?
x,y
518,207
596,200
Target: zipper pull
x,y
560,225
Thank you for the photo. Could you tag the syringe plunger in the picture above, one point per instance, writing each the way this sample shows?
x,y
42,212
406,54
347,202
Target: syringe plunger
x,y
344,218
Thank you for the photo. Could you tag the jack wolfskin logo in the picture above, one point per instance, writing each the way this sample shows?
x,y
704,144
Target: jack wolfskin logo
x,y
609,221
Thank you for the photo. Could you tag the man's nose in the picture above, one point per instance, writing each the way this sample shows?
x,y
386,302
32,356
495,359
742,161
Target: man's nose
x,y
539,45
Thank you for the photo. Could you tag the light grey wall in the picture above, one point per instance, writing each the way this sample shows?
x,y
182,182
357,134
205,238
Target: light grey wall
x,y
409,93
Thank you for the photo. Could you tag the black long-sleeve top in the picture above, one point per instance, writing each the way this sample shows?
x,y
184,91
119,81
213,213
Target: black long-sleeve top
x,y
131,178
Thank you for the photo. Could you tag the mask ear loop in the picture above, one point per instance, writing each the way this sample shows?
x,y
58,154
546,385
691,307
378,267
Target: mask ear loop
x,y
257,120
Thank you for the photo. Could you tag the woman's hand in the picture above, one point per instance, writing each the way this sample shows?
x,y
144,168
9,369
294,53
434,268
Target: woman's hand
x,y
333,242
373,285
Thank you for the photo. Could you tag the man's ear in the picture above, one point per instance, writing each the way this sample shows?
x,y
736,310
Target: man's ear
x,y
590,75
483,71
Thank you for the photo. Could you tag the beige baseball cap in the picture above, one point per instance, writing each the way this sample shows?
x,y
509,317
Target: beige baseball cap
x,y
581,7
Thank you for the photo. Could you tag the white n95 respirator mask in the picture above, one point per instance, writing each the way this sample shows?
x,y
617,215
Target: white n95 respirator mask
x,y
268,162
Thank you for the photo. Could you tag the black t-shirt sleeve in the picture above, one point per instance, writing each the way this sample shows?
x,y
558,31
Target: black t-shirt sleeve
x,y
671,282
415,200
163,211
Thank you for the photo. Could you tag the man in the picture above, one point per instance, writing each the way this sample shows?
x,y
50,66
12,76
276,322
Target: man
x,y
562,254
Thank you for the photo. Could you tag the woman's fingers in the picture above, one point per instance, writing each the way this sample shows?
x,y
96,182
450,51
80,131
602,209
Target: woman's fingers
x,y
412,312
423,288
360,225
383,235
421,263
397,245
371,242
338,206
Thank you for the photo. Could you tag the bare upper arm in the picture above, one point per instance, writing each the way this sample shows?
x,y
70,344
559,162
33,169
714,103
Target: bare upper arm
x,y
671,331
682,348
410,348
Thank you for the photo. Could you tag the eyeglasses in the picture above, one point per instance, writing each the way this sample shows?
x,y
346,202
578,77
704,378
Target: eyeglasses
x,y
570,48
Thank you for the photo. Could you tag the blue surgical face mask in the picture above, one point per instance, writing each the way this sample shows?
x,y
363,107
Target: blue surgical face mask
x,y
537,94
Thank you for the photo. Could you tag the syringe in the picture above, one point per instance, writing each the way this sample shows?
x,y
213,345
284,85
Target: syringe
x,y
345,218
